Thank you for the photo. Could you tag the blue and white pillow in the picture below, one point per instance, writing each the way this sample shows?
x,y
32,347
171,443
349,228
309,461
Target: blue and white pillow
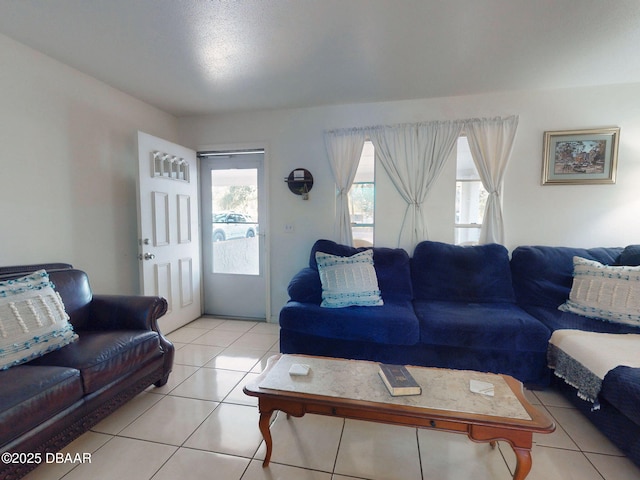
x,y
604,292
33,320
348,281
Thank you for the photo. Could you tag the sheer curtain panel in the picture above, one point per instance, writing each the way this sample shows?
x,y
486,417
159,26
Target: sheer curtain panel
x,y
413,156
344,148
491,142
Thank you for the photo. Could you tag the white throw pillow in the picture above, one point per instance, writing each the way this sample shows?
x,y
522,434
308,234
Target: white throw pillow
x,y
348,280
33,320
604,292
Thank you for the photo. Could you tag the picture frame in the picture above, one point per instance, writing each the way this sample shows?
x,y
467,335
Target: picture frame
x,y
574,157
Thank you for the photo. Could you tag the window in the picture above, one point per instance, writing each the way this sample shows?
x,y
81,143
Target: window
x,y
362,198
471,197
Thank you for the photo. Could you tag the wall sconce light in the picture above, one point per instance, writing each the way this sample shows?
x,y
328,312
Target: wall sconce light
x,y
300,182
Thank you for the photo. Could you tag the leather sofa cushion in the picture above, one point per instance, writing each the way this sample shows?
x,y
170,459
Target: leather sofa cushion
x,y
29,395
391,323
105,356
492,326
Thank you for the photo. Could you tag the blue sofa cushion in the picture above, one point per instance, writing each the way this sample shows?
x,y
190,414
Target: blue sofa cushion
x,y
454,273
621,388
555,319
391,323
492,326
543,276
391,264
630,256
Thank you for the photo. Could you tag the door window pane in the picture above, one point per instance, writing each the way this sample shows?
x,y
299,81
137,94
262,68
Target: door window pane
x,y
234,222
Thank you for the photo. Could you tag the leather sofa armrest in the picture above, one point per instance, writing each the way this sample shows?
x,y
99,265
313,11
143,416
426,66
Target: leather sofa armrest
x,y
125,312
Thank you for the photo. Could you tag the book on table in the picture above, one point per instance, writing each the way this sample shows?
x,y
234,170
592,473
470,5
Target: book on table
x,y
398,380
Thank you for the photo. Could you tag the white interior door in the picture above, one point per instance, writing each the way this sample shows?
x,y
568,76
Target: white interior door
x,y
233,235
169,236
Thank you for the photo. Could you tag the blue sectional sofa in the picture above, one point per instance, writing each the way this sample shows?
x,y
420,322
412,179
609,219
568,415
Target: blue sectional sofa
x,y
448,306
542,279
466,308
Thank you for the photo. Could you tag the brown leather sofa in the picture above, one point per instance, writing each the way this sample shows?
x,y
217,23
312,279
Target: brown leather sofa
x,y
49,401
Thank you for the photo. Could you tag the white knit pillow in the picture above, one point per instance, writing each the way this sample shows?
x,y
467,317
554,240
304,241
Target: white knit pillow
x,y
33,320
604,292
348,280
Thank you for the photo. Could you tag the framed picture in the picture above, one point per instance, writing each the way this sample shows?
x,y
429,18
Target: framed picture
x,y
580,156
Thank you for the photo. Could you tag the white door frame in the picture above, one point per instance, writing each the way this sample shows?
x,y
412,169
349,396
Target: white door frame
x,y
264,223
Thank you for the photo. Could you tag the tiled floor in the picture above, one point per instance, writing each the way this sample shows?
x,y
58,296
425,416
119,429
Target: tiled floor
x,y
201,426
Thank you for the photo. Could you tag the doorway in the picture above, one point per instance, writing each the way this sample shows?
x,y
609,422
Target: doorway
x,y
233,234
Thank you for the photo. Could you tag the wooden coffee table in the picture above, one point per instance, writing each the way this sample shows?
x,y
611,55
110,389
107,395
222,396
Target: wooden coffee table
x,y
352,389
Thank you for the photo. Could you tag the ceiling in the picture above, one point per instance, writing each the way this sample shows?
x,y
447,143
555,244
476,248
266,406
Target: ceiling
x,y
191,57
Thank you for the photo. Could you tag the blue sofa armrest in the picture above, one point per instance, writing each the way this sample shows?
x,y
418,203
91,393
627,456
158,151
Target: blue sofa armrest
x,y
305,287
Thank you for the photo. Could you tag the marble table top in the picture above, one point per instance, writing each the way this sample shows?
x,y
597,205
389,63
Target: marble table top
x,y
442,389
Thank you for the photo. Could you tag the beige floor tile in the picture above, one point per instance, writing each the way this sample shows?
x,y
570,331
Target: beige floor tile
x,y
230,429
179,373
122,458
237,325
558,439
88,442
237,396
263,341
552,398
614,468
190,464
378,451
450,456
309,442
583,432
342,477
207,323
186,334
264,327
555,464
172,420
196,355
218,337
127,413
236,358
282,472
531,397
263,362
208,384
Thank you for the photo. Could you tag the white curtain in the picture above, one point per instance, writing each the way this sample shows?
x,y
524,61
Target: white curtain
x,y
491,143
413,156
344,148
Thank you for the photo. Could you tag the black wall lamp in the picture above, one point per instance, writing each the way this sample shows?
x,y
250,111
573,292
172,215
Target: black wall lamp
x,y
300,182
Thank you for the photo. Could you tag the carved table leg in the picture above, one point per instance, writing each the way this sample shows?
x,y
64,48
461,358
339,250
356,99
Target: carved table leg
x,y
265,419
523,466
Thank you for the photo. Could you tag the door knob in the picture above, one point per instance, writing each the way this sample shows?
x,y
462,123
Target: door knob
x,y
146,256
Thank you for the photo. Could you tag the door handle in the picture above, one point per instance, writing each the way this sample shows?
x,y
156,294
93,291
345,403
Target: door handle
x,y
146,256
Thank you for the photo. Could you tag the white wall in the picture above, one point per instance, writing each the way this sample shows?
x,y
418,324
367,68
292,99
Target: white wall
x,y
580,215
68,163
